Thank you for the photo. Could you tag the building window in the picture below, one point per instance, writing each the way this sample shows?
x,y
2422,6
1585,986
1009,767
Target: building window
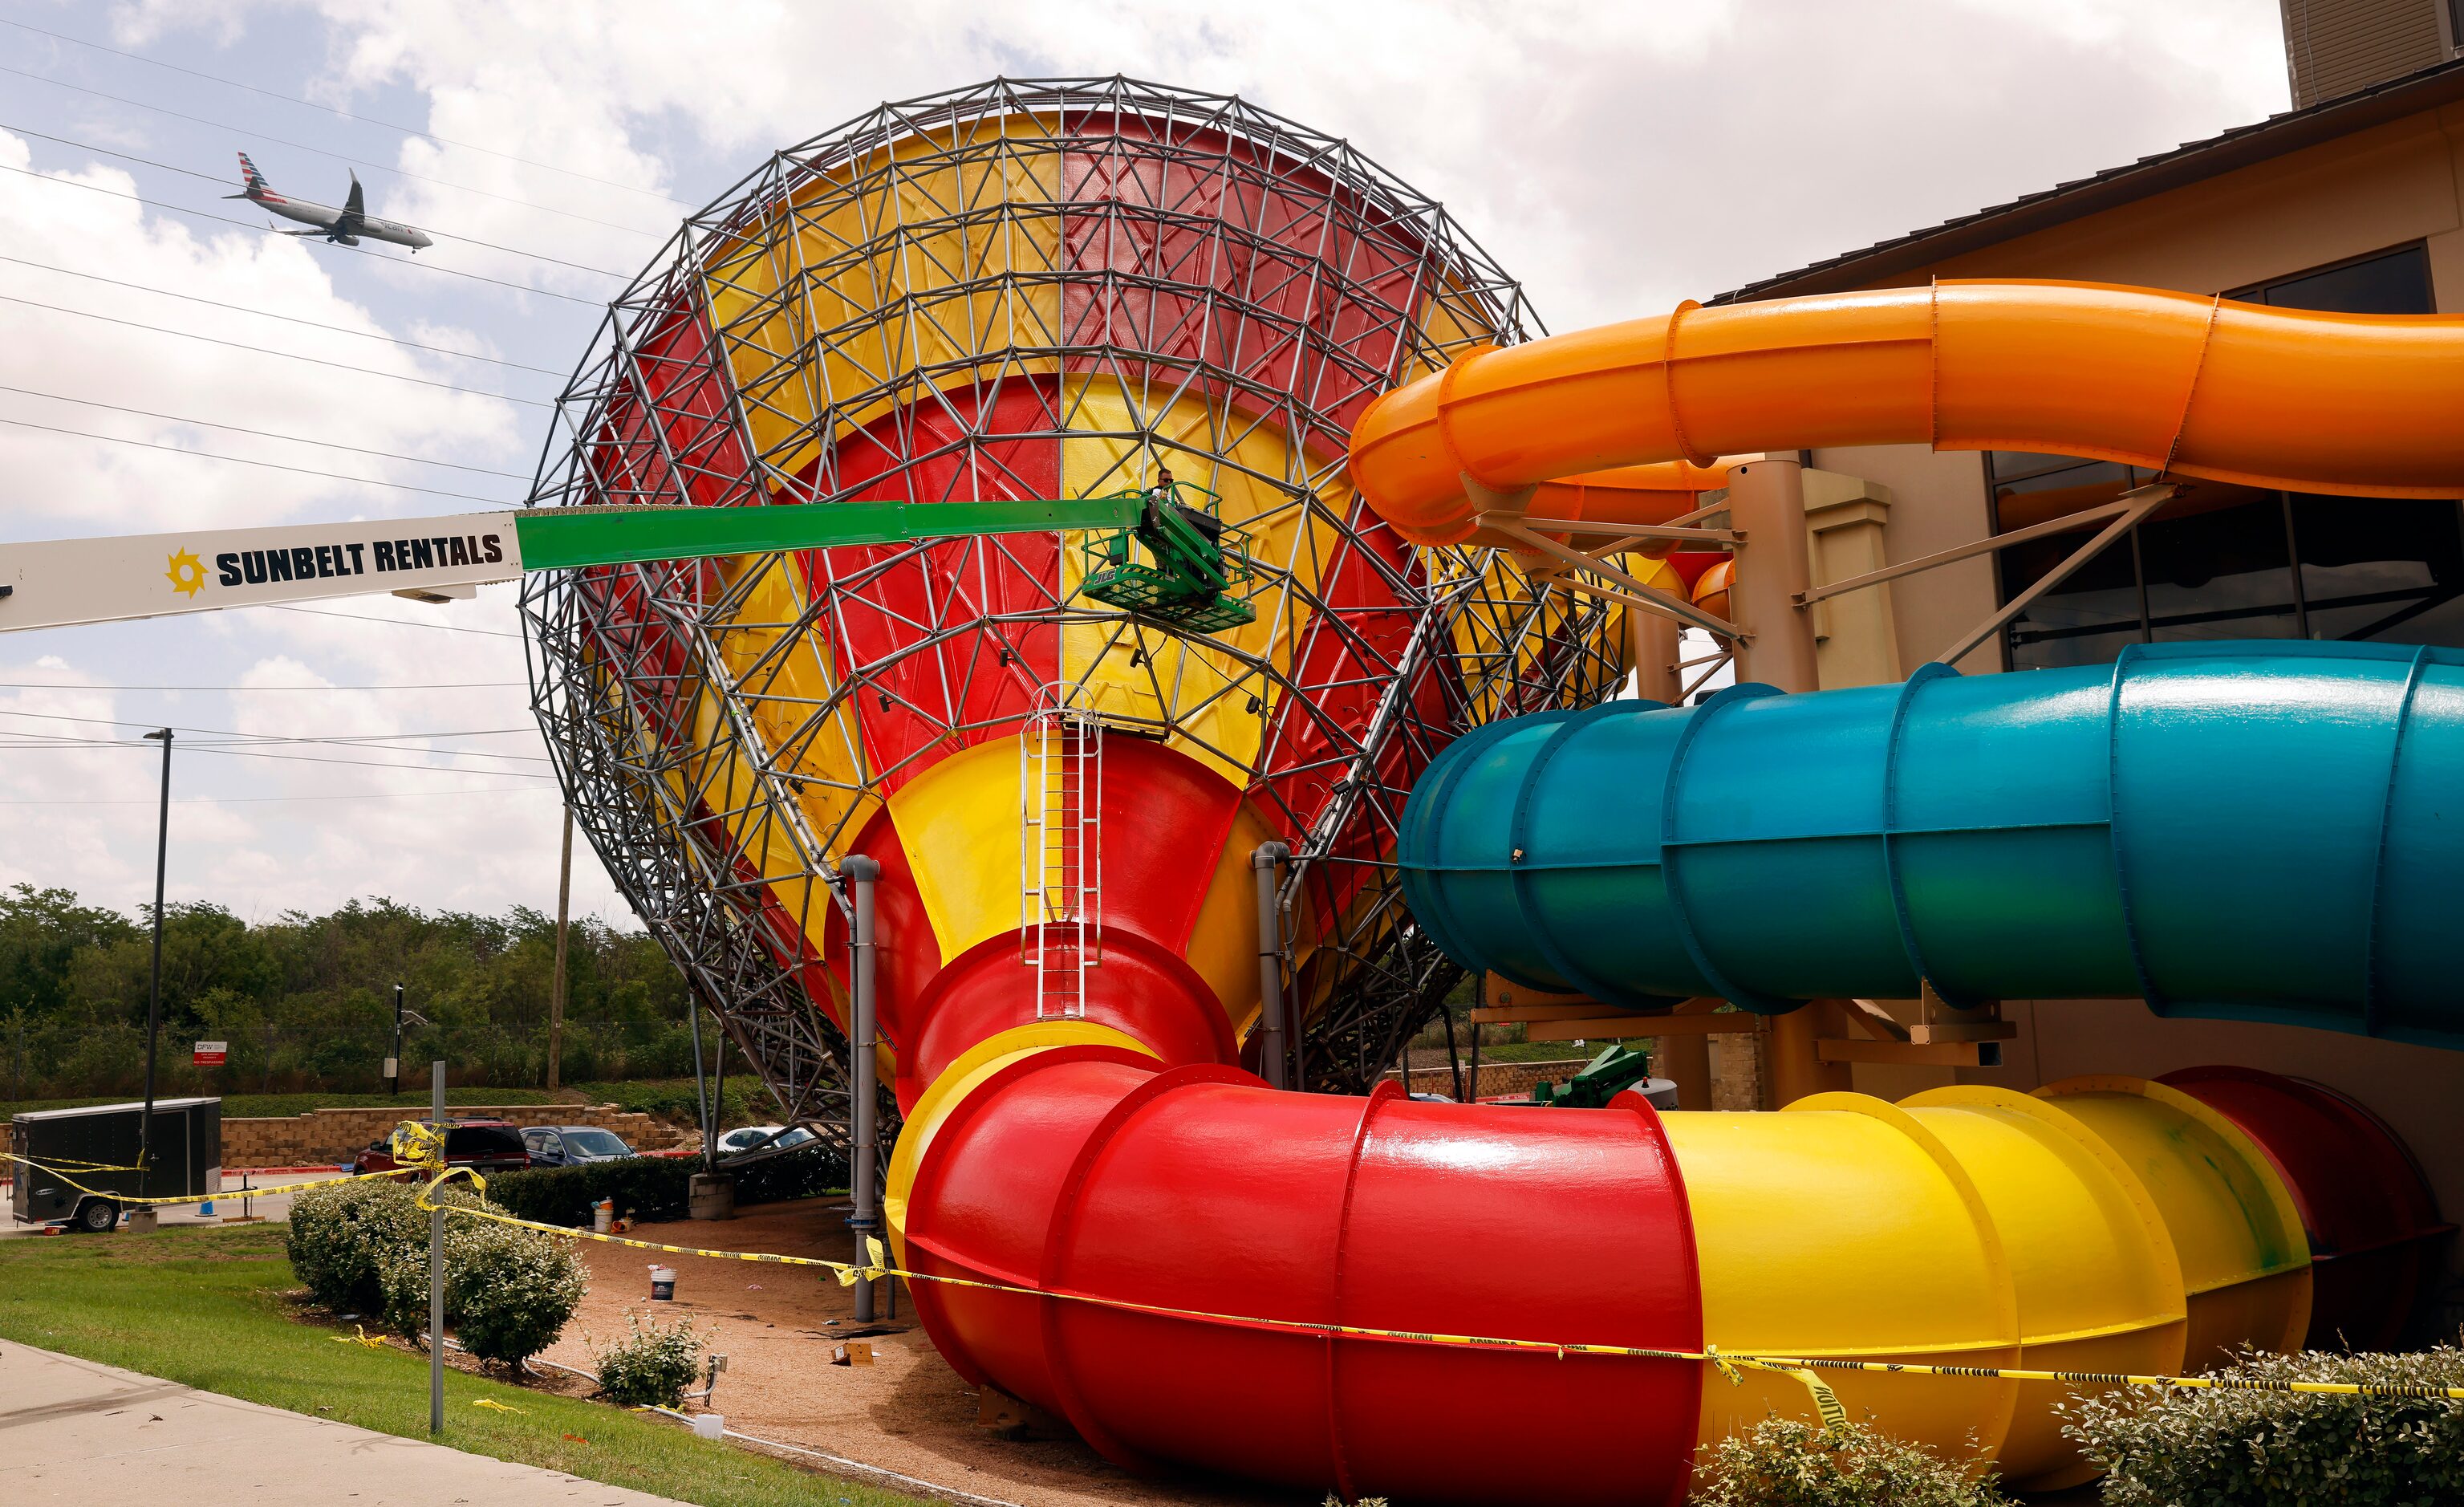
x,y
2233,562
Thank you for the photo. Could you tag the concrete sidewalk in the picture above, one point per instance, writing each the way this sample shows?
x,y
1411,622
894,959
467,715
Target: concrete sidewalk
x,y
74,1431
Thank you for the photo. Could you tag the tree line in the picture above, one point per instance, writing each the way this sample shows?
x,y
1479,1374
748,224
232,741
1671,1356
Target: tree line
x,y
306,1002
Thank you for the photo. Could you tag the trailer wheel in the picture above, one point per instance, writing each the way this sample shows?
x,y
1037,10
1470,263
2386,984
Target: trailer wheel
x,y
96,1216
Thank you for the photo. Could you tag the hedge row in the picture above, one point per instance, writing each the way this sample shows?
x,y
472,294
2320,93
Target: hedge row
x,y
658,1188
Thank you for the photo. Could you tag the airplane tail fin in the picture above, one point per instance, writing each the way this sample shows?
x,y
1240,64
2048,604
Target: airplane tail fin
x,y
255,179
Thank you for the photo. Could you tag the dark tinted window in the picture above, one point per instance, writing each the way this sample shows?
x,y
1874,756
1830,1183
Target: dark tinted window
x,y
2385,282
2233,562
482,1141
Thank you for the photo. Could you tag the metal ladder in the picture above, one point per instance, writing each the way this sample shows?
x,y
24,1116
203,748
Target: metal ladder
x,y
1061,856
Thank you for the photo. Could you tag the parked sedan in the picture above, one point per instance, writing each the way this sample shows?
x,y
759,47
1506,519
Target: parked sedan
x,y
761,1137
570,1145
486,1146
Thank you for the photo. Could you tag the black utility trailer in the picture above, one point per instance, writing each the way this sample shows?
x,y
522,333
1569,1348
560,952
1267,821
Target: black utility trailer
x,y
75,1142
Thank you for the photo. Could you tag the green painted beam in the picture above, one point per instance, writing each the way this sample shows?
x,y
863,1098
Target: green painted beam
x,y
561,539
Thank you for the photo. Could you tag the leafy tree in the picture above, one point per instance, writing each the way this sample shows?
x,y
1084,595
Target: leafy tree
x,y
307,1001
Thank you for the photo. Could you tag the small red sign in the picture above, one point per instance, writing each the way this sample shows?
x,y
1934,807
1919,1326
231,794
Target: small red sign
x,y
212,1053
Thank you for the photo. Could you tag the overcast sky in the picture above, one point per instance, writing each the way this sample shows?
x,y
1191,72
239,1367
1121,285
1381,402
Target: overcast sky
x,y
1617,157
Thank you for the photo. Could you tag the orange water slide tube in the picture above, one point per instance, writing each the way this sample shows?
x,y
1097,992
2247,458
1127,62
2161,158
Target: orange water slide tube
x,y
2371,405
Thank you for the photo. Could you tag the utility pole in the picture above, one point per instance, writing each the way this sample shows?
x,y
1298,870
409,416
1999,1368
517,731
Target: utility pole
x,y
555,990
154,984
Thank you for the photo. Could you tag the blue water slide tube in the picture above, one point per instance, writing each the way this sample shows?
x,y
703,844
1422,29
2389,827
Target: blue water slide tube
x,y
2267,831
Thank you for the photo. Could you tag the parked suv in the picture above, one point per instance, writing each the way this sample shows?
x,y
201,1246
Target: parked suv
x,y
567,1145
486,1146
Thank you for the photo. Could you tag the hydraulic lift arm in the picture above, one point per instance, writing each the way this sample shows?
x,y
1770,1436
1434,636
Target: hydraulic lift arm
x,y
58,582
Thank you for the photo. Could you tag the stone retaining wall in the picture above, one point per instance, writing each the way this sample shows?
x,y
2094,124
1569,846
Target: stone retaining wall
x,y
1516,1079
335,1136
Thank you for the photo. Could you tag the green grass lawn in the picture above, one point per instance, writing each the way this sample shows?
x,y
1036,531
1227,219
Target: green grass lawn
x,y
207,1308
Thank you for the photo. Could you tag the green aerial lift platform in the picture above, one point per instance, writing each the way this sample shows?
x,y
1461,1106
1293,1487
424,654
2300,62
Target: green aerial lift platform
x,y
1156,556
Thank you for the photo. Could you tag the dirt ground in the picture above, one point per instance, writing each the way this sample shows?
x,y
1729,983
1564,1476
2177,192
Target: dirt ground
x,y
907,1412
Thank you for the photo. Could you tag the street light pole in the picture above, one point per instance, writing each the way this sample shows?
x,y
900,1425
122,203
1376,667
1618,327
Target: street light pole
x,y
393,1063
556,992
154,983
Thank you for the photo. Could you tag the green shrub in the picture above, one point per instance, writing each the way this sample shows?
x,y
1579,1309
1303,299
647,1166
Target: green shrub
x,y
1784,1463
659,1187
644,1187
362,1247
2236,1449
508,1292
806,1172
339,1234
651,1367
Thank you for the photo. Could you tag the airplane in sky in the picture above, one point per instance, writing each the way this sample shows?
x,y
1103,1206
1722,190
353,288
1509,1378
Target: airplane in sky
x,y
347,226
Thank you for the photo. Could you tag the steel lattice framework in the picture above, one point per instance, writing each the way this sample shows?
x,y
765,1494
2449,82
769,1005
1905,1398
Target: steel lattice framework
x,y
925,304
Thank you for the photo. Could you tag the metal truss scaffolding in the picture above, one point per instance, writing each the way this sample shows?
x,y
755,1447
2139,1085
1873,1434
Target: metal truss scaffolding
x,y
1020,289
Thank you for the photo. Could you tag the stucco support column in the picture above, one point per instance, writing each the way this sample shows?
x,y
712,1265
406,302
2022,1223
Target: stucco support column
x,y
1767,506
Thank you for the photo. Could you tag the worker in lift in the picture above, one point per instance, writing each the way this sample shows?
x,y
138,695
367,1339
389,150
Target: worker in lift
x,y
1161,495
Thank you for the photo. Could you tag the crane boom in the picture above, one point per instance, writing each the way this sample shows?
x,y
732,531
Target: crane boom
x,y
60,583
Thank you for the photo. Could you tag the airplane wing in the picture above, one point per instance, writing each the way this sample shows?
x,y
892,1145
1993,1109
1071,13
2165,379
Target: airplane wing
x,y
355,210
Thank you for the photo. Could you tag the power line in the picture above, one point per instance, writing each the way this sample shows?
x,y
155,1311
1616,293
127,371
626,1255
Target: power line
x,y
267,230
277,738
449,685
220,180
264,465
287,355
287,319
371,120
393,622
382,742
356,162
258,799
262,434
139,745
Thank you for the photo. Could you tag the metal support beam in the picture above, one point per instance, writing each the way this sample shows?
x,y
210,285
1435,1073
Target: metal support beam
x,y
1274,1050
2144,501
1649,597
2068,523
1654,533
863,1043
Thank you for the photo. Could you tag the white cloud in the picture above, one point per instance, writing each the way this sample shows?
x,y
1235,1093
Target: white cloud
x,y
1616,157
100,486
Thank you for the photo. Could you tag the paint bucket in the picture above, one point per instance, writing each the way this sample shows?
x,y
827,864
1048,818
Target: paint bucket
x,y
663,1283
603,1215
710,1426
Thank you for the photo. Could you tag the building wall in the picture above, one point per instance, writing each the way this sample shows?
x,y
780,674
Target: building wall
x,y
2334,47
2378,188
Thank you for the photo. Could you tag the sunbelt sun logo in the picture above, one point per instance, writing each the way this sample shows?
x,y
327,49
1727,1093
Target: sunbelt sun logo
x,y
187,573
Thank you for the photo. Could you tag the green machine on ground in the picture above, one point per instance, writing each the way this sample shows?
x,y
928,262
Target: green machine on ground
x,y
1618,1068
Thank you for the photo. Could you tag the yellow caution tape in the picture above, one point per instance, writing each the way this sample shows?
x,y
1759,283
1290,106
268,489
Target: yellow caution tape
x,y
1802,1368
363,1338
194,1198
492,1405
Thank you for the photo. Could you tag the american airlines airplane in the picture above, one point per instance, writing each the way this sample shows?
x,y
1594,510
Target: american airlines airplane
x,y
347,226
